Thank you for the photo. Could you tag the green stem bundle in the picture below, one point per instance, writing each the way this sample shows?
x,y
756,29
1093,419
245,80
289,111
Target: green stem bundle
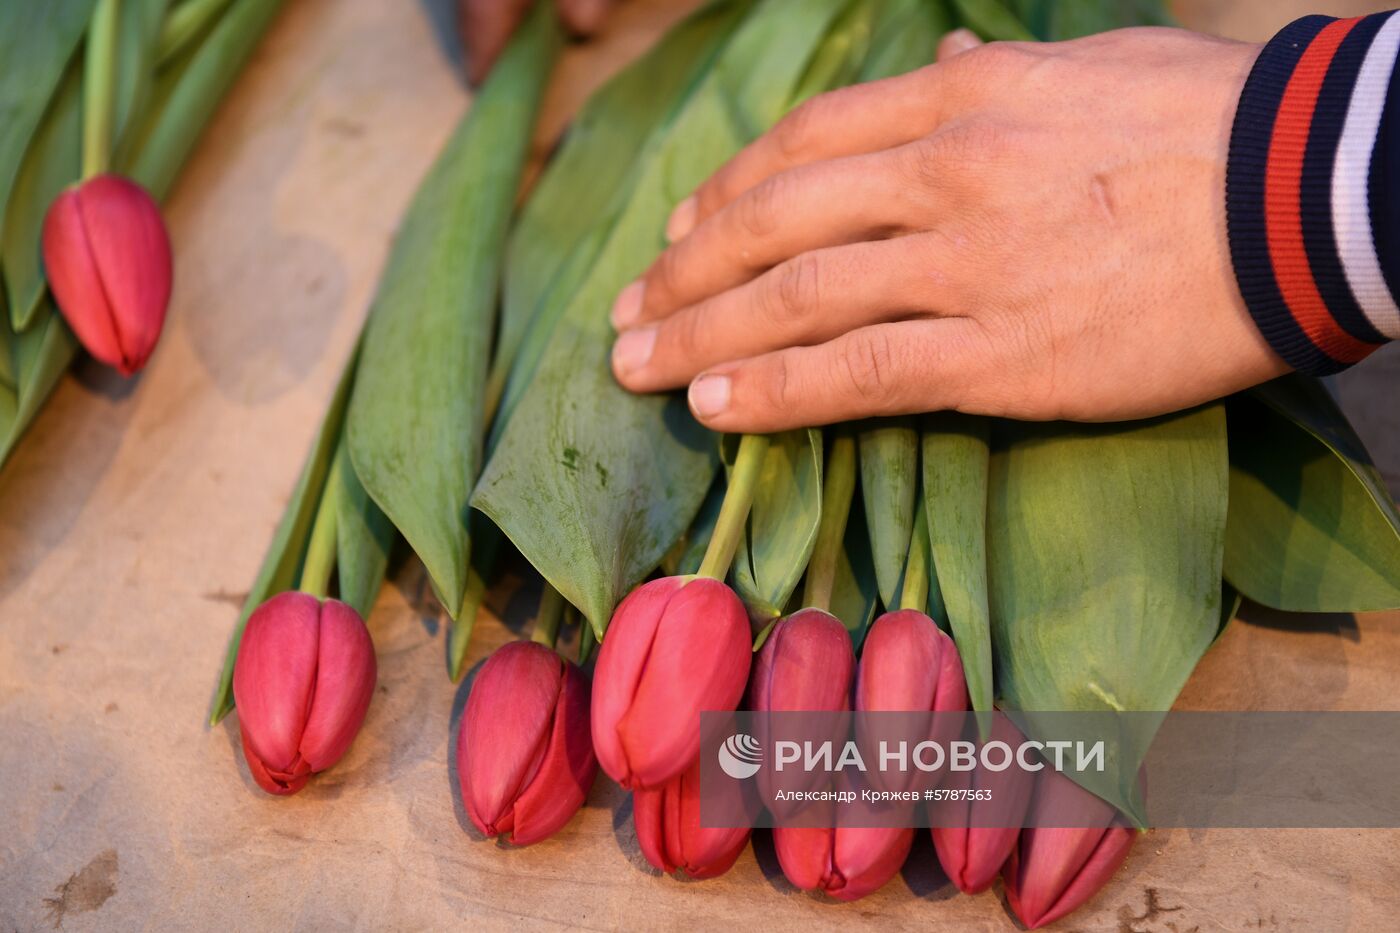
x,y
548,617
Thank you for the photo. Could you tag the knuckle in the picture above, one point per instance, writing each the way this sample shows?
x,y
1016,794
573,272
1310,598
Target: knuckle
x,y
793,133
757,211
777,389
868,364
665,277
795,289
994,61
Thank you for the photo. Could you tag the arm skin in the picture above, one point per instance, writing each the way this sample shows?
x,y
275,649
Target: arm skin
x,y
1035,231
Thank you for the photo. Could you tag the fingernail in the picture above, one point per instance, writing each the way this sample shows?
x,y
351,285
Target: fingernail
x,y
709,395
633,349
957,42
628,306
682,219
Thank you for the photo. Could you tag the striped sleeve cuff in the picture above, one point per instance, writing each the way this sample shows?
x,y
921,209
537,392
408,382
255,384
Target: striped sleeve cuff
x,y
1314,222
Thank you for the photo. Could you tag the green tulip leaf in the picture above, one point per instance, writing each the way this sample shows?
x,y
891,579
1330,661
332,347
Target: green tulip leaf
x,y
563,226
186,92
416,415
37,41
52,162
905,37
1312,527
593,484
855,592
889,485
364,537
955,465
1104,552
782,527
991,20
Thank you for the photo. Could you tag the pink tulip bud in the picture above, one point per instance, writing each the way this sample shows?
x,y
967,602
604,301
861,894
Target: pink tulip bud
x,y
846,863
107,258
972,853
671,837
302,683
674,647
806,664
523,754
909,664
1054,870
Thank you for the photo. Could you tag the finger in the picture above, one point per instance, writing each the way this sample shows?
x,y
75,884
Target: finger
x,y
850,121
957,42
811,207
885,369
807,300
584,17
487,26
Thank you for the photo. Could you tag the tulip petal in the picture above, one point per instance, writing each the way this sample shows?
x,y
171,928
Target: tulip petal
x,y
275,675
648,819
131,249
345,676
621,659
73,276
1054,869
699,660
701,851
805,855
505,730
806,664
865,858
566,773
902,663
280,784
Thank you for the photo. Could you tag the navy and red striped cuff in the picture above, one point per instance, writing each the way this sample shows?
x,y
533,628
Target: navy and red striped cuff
x,y
1313,191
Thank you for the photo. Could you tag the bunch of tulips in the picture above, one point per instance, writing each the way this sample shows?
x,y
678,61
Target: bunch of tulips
x,y
536,727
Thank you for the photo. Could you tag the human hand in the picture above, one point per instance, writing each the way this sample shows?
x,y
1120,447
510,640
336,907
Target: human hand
x,y
1034,231
487,26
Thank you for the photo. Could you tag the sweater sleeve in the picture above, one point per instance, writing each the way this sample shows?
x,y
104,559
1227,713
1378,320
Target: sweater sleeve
x,y
1313,190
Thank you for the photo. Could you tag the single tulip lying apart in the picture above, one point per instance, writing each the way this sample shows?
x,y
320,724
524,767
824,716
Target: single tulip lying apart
x,y
674,647
1054,870
524,755
671,837
302,683
107,258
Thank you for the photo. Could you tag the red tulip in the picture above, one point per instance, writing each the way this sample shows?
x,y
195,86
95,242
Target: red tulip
x,y
302,683
972,855
671,837
847,862
107,258
806,664
674,647
909,664
523,753
1054,870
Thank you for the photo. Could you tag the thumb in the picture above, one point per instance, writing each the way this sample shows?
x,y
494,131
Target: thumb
x,y
957,42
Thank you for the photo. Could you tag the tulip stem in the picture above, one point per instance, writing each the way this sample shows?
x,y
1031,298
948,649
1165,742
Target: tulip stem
x,y
838,489
914,595
548,617
321,549
734,511
99,87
